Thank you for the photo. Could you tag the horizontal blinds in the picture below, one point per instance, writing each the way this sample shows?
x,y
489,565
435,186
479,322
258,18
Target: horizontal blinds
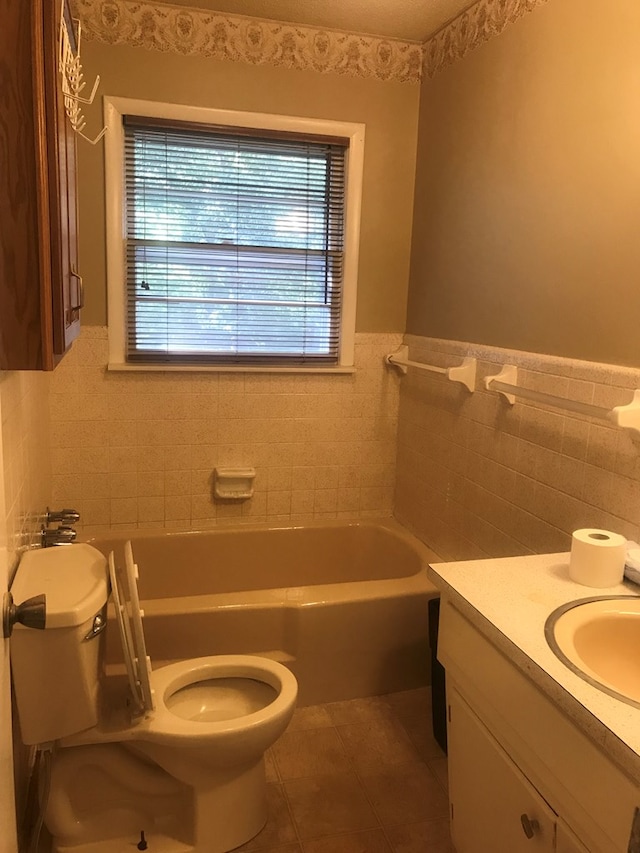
x,y
234,246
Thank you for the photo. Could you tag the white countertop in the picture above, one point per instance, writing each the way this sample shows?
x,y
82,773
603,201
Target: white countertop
x,y
509,601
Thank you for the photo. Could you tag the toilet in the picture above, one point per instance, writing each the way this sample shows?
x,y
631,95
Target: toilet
x,y
171,758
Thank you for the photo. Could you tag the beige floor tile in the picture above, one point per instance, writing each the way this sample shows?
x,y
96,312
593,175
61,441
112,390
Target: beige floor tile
x,y
328,805
406,794
430,836
421,733
313,752
367,710
440,769
281,848
380,743
311,717
270,767
372,841
279,828
411,703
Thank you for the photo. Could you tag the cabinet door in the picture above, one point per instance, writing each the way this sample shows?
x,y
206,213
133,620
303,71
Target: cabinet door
x,y
566,841
61,144
24,272
40,293
493,806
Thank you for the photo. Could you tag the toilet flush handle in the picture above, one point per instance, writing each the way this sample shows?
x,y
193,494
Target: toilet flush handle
x,y
32,613
97,626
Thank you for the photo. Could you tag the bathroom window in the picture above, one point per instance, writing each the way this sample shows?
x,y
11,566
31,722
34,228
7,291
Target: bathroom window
x,y
238,242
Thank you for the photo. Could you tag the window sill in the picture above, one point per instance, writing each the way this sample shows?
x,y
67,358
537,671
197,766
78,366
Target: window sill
x,y
203,368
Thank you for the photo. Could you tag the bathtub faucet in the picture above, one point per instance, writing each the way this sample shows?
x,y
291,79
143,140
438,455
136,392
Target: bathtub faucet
x,y
63,534
62,516
60,535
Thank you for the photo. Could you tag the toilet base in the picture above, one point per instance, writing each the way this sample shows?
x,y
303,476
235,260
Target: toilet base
x,y
92,809
103,794
229,802
232,811
161,844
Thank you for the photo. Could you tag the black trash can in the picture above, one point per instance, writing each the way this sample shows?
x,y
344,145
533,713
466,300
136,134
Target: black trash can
x,y
438,693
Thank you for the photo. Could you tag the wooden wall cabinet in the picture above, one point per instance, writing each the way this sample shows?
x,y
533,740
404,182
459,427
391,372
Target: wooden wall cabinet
x,y
40,290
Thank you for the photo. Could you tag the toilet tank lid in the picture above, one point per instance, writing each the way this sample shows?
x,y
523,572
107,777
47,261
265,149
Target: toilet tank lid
x,y
73,578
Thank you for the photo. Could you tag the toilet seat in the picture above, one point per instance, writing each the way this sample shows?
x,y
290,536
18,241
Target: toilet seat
x,y
129,618
151,691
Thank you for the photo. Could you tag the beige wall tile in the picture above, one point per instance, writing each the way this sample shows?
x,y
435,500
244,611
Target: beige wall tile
x,y
177,507
27,465
150,484
152,436
123,485
96,486
151,509
474,475
95,511
124,510
524,477
302,501
278,503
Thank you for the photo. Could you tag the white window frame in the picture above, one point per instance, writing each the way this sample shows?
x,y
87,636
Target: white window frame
x,y
114,110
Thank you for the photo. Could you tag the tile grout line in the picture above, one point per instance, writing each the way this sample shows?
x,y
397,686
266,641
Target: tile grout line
x,y
357,775
283,788
382,826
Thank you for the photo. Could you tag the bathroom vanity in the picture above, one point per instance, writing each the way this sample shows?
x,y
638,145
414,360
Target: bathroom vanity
x,y
539,759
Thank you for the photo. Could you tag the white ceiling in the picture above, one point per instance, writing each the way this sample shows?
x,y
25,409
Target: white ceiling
x,y
413,20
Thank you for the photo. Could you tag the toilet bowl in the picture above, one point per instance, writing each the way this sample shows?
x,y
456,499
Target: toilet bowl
x,y
203,724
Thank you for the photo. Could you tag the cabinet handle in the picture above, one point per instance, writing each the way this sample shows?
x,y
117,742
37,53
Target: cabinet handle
x,y
529,827
80,291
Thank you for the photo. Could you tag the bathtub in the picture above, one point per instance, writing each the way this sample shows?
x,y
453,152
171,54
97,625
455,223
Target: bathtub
x,y
342,604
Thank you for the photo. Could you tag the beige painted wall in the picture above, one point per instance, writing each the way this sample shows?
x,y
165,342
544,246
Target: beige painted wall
x,y
389,110
528,188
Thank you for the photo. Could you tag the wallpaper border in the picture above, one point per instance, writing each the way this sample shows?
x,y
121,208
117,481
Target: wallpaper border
x,y
236,38
483,21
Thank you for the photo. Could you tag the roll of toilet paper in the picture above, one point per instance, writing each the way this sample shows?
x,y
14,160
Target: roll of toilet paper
x,y
597,557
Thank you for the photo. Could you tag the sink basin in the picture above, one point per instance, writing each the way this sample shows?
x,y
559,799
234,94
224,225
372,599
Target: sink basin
x,y
599,640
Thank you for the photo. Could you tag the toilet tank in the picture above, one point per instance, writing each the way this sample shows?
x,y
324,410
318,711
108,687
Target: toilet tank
x,y
56,671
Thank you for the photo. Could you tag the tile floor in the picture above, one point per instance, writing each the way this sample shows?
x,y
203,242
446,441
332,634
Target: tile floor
x,y
362,776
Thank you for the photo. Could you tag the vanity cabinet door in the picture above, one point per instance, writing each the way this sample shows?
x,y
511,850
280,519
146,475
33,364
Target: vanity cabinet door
x,y
493,806
566,841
